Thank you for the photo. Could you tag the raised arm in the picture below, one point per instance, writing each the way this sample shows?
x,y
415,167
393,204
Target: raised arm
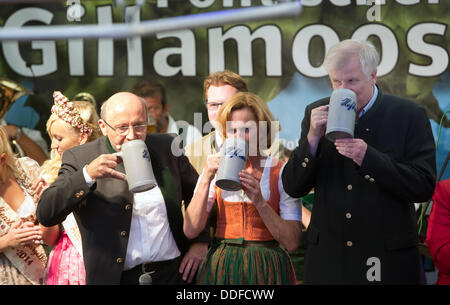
x,y
198,210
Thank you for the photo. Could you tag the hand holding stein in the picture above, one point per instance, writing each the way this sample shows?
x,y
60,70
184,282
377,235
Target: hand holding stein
x,y
341,114
138,167
233,160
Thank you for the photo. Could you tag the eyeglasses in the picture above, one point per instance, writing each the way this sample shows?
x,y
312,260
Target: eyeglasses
x,y
154,108
123,130
213,106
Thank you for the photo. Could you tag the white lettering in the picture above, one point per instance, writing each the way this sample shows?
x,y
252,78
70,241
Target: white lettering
x,y
241,34
230,3
374,272
389,51
340,2
311,2
300,48
374,13
162,3
247,294
186,51
134,44
202,3
105,51
437,54
408,2
196,295
11,49
76,57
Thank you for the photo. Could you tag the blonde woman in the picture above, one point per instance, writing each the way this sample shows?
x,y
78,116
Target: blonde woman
x,y
70,124
22,257
252,222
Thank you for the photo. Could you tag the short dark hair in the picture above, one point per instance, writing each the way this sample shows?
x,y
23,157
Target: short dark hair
x,y
150,89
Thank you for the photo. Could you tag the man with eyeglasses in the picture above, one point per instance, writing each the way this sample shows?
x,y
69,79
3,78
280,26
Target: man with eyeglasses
x,y
155,98
218,87
126,235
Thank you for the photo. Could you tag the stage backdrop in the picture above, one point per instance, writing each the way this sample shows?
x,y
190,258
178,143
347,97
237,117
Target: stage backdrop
x,y
281,59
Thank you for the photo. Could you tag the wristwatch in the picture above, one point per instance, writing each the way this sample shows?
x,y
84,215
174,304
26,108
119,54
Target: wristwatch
x,y
18,134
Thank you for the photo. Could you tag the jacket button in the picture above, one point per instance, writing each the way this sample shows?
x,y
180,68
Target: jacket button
x,y
367,177
304,164
128,207
349,243
306,160
119,260
123,233
349,187
79,194
348,215
372,180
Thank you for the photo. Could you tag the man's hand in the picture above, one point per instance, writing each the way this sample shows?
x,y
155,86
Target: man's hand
x,y
317,127
191,260
103,167
354,149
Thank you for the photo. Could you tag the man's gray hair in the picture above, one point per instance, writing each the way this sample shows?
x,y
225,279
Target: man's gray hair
x,y
339,55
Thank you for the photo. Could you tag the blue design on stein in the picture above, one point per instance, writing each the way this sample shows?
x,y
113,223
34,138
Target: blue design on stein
x,y
347,102
146,155
235,152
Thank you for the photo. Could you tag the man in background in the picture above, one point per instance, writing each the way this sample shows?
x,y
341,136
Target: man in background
x,y
155,97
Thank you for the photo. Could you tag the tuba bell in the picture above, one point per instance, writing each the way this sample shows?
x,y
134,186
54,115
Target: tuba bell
x,y
10,92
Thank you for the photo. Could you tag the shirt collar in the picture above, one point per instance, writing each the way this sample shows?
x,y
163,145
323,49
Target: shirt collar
x,y
370,103
172,127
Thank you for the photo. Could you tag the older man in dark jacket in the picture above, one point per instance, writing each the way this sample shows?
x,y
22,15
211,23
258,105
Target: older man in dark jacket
x,y
126,235
363,227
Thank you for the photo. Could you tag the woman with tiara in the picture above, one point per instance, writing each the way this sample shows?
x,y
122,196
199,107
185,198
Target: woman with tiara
x,y
70,124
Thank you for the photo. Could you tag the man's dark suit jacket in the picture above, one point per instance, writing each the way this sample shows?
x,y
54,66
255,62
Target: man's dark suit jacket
x,y
103,212
363,227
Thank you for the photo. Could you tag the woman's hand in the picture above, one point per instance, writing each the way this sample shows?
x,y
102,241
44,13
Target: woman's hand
x,y
251,187
21,234
39,186
211,166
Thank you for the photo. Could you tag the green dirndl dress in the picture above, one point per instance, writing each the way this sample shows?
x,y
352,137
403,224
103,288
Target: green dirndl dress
x,y
240,262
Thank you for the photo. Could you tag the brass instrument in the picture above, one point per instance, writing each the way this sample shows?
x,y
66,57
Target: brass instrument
x,y
10,92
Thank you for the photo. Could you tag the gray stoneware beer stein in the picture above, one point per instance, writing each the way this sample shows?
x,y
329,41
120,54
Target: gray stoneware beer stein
x,y
233,157
138,167
341,114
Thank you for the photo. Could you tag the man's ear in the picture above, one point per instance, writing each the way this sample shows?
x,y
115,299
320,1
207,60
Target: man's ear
x,y
374,76
102,126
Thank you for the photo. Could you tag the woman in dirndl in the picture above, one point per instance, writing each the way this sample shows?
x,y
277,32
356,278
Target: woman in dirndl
x,y
257,225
